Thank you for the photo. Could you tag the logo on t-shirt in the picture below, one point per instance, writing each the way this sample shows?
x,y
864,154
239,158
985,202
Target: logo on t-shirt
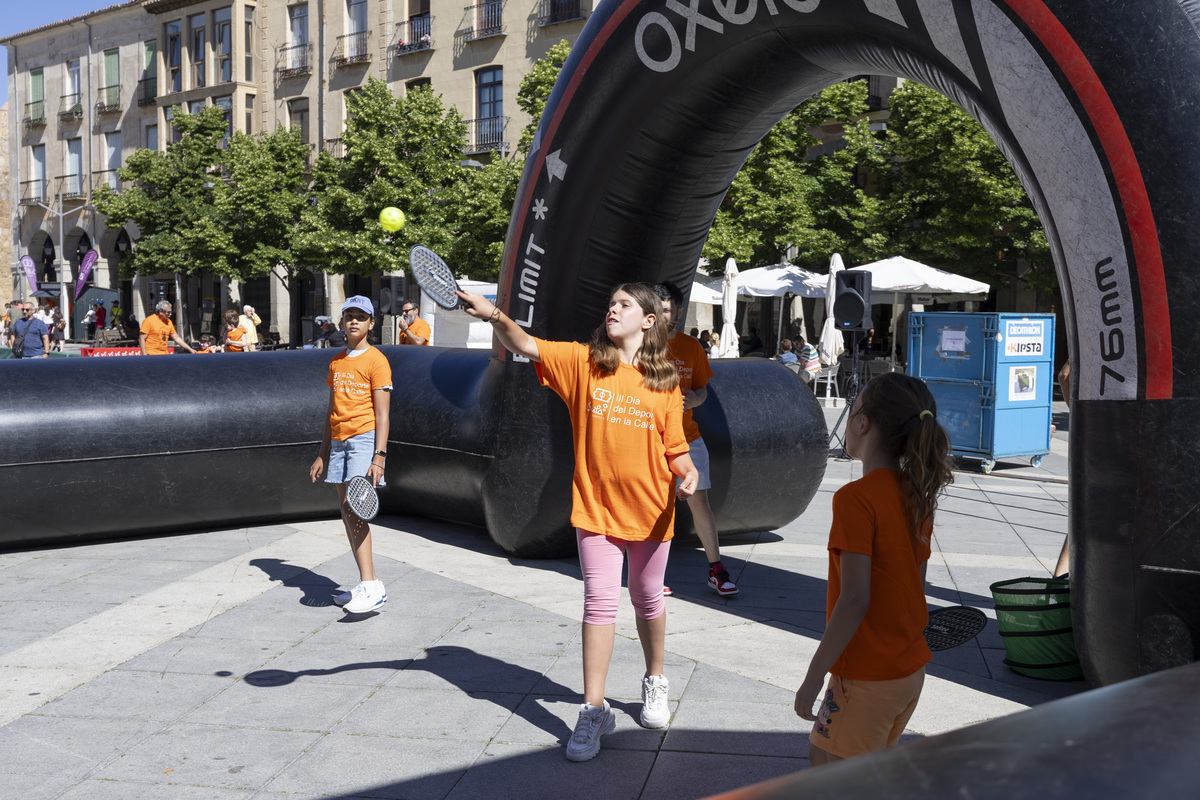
x,y
602,397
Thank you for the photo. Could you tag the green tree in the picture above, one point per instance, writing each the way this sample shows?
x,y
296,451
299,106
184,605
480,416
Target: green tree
x,y
211,205
482,207
404,152
780,197
169,201
949,197
536,87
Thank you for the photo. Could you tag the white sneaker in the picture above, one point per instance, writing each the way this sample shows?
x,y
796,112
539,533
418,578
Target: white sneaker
x,y
592,724
655,711
341,598
367,596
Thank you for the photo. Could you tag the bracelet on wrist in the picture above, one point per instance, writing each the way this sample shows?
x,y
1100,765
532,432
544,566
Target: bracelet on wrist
x,y
495,315
381,453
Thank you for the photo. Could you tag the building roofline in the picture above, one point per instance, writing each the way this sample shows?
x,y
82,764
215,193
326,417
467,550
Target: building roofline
x,y
48,26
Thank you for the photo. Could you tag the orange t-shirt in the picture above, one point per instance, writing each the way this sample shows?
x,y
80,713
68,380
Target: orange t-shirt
x,y
235,340
418,326
623,434
689,358
869,518
158,334
353,380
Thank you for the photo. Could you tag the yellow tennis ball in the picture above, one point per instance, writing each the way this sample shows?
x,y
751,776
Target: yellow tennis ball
x,y
391,218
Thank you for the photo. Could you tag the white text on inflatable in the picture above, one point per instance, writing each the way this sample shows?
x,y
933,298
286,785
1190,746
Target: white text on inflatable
x,y
693,19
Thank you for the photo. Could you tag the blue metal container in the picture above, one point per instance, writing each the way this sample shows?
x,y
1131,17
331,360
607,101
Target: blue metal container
x,y
992,376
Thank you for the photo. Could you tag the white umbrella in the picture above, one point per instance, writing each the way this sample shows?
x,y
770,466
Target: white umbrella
x,y
832,344
729,337
704,295
898,275
777,280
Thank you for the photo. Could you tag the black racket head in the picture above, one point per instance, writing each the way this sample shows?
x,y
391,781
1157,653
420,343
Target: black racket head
x,y
950,627
362,498
433,276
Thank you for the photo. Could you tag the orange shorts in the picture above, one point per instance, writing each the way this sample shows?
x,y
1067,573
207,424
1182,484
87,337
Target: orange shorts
x,y
859,717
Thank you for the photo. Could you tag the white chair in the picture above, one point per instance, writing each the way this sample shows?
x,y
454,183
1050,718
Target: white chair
x,y
828,376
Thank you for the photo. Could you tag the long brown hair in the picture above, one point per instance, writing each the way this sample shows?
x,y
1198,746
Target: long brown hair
x,y
658,374
897,405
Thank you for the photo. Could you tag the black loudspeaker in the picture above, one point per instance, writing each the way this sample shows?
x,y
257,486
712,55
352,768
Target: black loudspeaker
x,y
852,300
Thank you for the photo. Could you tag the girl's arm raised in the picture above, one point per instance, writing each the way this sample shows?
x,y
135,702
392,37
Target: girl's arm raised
x,y
512,336
848,613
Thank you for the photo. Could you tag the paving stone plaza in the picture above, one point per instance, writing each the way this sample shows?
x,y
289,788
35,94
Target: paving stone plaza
x,y
215,664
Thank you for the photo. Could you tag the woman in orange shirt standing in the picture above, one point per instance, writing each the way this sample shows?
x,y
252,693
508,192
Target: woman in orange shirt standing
x,y
874,646
627,424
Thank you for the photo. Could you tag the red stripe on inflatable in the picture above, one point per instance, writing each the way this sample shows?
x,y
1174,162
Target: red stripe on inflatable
x,y
1156,315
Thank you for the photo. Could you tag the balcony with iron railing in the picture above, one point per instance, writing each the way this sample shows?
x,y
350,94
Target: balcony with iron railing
x,y
414,36
35,114
483,20
72,106
71,187
33,192
352,49
336,147
293,60
109,178
486,135
147,93
552,12
108,100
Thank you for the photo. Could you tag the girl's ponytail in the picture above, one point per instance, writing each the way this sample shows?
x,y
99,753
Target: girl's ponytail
x,y
906,413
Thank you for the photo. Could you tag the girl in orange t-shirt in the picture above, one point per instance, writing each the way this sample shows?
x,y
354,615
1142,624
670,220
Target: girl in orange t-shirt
x,y
626,418
874,646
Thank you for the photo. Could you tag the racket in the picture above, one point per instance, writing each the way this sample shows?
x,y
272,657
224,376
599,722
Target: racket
x,y
362,498
433,276
950,627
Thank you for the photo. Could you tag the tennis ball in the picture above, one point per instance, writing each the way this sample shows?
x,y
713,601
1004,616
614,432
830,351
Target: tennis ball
x,y
391,218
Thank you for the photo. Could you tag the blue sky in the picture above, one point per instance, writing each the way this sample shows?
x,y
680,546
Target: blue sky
x,y
23,15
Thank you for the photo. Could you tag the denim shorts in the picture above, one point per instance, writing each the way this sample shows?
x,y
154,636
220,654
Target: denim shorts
x,y
350,458
699,453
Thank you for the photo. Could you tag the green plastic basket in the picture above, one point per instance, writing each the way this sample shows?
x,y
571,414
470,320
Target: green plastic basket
x,y
1034,616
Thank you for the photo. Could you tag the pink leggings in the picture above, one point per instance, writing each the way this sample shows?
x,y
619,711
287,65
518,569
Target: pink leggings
x,y
602,558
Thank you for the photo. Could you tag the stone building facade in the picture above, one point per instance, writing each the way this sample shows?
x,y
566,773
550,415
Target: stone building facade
x,y
84,93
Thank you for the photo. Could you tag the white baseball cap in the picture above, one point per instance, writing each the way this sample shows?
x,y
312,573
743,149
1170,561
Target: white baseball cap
x,y
360,302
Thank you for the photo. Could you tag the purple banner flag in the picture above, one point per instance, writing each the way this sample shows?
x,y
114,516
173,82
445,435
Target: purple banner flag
x,y
30,272
85,269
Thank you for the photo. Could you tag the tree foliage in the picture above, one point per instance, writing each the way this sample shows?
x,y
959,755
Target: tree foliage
x,y
949,198
403,152
210,204
536,87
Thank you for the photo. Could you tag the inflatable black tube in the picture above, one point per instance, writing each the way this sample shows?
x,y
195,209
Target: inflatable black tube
x,y
660,104
146,445
1135,739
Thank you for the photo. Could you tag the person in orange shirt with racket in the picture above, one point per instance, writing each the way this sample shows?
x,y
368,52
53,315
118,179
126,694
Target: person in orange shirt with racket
x,y
355,439
626,418
874,646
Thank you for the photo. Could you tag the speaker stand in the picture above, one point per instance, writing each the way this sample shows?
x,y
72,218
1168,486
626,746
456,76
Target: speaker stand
x,y
850,395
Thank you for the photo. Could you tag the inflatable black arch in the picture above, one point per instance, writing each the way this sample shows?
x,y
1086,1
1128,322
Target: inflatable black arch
x,y
1093,104
656,110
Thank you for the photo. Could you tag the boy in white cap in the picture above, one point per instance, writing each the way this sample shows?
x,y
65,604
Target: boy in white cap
x,y
355,439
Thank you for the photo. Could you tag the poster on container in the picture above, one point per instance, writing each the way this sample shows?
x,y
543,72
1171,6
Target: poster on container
x,y
1024,338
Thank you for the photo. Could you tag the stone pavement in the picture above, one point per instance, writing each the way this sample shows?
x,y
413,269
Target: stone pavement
x,y
214,665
